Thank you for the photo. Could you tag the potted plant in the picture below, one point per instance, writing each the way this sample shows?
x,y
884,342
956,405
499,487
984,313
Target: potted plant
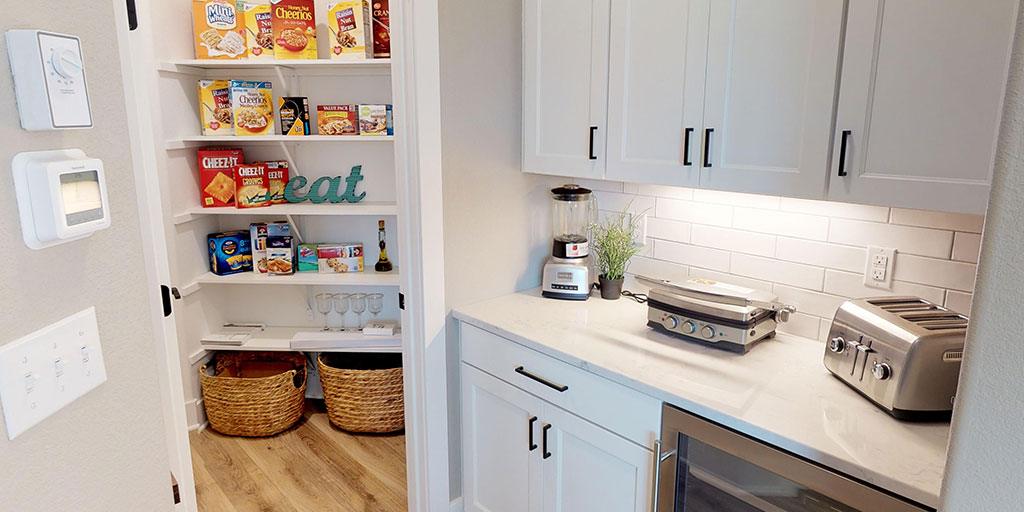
x,y
613,244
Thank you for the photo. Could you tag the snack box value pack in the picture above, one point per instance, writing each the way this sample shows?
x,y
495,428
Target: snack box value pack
x,y
280,256
381,27
219,29
294,24
229,252
277,178
350,30
373,120
252,107
215,107
217,175
259,235
259,32
340,258
308,258
337,119
251,186
294,112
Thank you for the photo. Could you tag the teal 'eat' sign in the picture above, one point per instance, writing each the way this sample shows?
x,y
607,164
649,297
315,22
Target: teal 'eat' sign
x,y
315,193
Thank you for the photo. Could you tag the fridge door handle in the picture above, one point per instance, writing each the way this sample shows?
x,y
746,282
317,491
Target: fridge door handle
x,y
659,458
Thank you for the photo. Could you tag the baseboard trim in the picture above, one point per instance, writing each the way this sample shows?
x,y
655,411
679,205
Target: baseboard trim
x,y
456,505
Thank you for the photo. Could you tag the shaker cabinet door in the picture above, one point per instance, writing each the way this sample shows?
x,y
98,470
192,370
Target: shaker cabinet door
x,y
920,101
656,90
565,86
769,96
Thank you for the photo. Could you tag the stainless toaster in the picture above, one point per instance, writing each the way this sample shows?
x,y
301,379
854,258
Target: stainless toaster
x,y
902,353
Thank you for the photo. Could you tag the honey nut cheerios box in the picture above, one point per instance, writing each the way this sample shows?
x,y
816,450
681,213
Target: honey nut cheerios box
x,y
350,30
219,29
252,107
259,31
215,107
294,25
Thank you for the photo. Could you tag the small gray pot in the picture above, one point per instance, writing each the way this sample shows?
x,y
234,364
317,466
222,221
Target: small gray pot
x,y
611,289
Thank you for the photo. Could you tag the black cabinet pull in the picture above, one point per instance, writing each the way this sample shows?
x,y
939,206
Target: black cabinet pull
x,y
686,146
707,146
842,151
544,439
561,388
165,297
133,16
533,445
593,129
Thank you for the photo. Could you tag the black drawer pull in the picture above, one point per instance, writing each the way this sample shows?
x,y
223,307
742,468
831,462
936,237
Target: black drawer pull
x,y
686,147
561,388
842,152
707,146
544,439
533,445
593,129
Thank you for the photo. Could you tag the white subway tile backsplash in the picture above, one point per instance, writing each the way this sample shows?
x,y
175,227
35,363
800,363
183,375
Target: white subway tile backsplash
x,y
686,254
616,202
846,284
913,240
665,229
650,267
959,302
833,209
803,325
777,222
698,213
808,302
822,254
966,247
664,191
599,185
733,240
794,274
938,220
736,199
754,284
944,273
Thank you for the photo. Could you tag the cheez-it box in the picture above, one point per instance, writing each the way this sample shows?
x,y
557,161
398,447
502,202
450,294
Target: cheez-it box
x,y
216,175
251,186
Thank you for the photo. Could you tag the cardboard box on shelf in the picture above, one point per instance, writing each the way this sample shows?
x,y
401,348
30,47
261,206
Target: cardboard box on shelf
x,y
337,120
308,258
277,178
252,107
373,120
215,107
294,111
381,27
217,176
219,29
251,186
350,30
340,258
280,256
259,31
294,24
230,252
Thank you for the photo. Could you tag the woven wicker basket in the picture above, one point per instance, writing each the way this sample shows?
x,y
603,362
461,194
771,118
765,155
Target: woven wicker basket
x,y
363,392
254,407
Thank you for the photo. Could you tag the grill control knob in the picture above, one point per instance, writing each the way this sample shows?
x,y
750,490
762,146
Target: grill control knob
x,y
837,344
881,371
670,322
689,327
708,332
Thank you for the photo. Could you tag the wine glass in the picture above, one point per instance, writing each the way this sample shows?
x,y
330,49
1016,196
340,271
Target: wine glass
x,y
324,304
358,306
375,301
341,306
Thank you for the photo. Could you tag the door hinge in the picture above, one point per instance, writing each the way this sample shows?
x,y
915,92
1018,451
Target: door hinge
x,y
401,301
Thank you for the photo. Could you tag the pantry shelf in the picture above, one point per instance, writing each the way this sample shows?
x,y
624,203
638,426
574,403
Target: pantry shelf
x,y
278,339
191,141
281,210
348,67
368,278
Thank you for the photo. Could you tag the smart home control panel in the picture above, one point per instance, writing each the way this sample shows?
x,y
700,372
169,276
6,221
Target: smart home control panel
x,y
49,80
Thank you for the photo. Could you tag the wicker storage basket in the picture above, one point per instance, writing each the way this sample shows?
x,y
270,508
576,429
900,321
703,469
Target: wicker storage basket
x,y
363,392
253,407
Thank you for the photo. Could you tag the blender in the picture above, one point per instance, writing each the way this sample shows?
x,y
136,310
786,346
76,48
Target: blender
x,y
567,272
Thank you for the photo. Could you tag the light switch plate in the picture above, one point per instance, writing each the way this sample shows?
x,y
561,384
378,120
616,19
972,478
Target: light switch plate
x,y
43,371
879,267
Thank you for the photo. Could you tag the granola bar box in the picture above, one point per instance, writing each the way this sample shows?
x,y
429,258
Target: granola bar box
x,y
294,24
373,120
294,111
219,29
381,26
350,30
229,252
337,119
215,107
216,175
252,107
251,186
259,32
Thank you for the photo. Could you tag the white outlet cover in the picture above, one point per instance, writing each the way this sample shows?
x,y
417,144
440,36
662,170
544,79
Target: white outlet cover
x,y
872,268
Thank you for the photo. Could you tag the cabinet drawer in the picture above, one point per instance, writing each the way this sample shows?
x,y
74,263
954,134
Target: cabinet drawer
x,y
620,409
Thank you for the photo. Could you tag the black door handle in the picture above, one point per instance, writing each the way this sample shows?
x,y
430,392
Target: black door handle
x,y
165,296
592,155
533,445
544,439
133,16
707,146
561,388
842,151
686,146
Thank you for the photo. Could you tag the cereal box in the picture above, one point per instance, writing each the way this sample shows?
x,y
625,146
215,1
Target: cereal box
x,y
381,27
373,120
252,107
294,112
280,256
259,34
215,107
219,29
229,252
308,258
294,23
350,30
251,186
337,120
340,258
216,175
277,178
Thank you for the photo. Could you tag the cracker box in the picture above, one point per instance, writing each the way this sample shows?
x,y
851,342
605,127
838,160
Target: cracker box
x,y
350,30
251,186
381,27
229,252
215,107
294,24
258,243
294,111
259,32
280,256
340,258
217,176
277,178
373,120
308,258
219,29
252,107
337,120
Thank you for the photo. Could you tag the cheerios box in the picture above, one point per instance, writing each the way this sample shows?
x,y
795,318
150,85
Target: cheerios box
x,y
215,107
259,32
350,30
219,29
230,252
252,107
340,258
294,25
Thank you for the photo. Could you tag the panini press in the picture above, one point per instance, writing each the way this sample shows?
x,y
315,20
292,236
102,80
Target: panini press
x,y
718,314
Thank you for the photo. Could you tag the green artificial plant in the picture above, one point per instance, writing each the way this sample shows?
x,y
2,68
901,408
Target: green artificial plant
x,y
613,243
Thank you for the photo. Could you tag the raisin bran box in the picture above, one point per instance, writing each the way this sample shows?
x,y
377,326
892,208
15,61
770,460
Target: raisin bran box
x,y
251,186
294,25
229,252
217,176
350,30
259,32
215,107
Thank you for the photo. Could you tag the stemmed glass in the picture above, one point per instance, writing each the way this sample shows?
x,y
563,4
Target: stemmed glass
x,y
324,304
375,301
358,306
341,306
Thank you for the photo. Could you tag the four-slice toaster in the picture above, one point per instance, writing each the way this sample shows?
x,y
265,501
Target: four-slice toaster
x,y
902,353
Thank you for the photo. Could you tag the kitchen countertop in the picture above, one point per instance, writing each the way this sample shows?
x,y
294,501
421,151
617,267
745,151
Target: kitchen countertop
x,y
779,392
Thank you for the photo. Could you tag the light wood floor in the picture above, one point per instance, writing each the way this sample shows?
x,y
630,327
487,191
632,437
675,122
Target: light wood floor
x,y
313,466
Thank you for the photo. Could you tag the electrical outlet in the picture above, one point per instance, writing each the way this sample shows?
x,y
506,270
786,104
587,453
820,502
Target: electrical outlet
x,y
878,267
642,235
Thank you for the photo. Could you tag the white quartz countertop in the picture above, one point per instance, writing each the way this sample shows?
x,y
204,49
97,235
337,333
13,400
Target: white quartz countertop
x,y
778,392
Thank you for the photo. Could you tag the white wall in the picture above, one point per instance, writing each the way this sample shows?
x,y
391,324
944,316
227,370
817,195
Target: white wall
x,y
986,454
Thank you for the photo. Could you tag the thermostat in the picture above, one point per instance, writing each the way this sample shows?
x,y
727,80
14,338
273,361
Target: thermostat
x,y
49,80
62,196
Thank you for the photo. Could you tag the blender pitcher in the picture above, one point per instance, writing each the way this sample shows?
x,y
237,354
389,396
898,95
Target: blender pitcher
x,y
567,272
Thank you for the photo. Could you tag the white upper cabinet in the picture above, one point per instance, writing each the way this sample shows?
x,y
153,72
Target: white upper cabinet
x,y
565,86
920,102
655,90
769,95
